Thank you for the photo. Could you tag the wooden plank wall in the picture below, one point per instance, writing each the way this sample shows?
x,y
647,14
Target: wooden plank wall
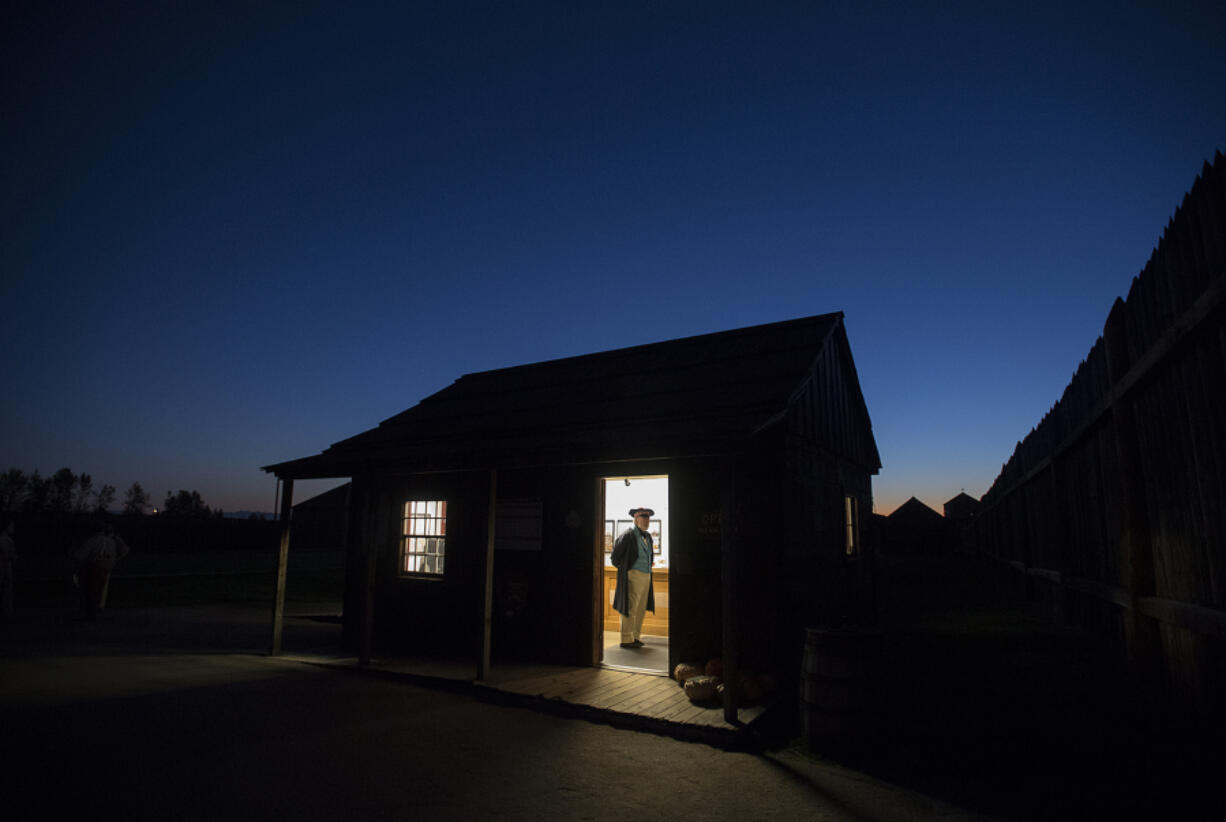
x,y
1114,505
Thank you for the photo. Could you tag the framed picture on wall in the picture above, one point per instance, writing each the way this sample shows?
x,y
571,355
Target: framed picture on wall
x,y
614,529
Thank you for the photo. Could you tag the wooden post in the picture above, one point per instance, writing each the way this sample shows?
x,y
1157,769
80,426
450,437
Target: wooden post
x,y
1142,638
1059,529
278,600
728,533
598,582
487,602
369,567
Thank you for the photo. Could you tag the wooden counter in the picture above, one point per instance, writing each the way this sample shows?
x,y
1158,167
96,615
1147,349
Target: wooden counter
x,y
654,624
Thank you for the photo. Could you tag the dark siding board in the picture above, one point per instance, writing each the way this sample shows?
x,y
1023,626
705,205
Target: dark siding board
x,y
759,569
830,411
1109,521
426,614
1205,418
355,565
1166,450
547,593
695,614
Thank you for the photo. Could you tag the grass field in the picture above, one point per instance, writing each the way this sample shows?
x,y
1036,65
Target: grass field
x,y
187,578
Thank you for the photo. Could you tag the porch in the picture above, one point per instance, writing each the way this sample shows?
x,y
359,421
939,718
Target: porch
x,y
636,701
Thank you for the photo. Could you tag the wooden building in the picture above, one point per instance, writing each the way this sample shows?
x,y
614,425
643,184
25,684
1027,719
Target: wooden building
x,y
962,508
321,522
914,528
476,521
960,513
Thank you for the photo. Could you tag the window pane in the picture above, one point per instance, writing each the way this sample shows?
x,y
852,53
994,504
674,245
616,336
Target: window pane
x,y
850,525
423,537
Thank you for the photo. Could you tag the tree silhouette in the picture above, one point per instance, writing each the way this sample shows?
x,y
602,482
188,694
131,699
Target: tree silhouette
x,y
185,504
37,493
84,493
104,498
61,490
14,485
136,500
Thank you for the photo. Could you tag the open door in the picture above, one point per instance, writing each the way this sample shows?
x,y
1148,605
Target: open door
x,y
618,495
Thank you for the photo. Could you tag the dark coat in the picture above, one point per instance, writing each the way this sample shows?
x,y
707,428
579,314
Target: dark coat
x,y
625,554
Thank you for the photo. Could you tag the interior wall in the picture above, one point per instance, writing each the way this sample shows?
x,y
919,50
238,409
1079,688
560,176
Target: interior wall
x,y
642,492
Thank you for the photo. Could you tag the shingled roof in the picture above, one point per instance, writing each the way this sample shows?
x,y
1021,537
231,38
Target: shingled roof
x,y
690,396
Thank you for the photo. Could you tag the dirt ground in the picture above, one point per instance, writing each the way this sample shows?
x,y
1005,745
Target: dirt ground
x,y
221,736
989,703
986,710
159,713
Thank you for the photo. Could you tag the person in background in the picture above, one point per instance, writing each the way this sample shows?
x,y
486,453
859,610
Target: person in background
x,y
95,558
8,553
632,556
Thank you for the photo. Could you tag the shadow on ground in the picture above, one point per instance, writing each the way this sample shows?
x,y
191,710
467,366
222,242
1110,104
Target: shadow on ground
x,y
986,702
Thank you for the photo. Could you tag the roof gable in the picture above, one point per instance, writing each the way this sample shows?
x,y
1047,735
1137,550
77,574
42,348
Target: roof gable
x,y
685,396
915,511
962,505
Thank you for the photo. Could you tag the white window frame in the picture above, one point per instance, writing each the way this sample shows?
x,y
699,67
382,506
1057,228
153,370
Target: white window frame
x,y
423,538
851,526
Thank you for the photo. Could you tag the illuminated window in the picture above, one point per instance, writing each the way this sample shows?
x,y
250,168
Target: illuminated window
x,y
423,540
851,526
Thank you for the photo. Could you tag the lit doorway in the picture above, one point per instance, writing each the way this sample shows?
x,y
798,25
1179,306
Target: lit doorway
x,y
618,496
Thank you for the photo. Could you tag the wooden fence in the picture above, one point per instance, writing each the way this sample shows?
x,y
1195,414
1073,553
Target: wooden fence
x,y
1115,504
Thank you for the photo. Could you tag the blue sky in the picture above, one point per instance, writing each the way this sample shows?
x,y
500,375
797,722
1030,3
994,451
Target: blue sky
x,y
235,233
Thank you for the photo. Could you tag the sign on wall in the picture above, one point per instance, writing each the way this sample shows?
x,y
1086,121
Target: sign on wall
x,y
517,525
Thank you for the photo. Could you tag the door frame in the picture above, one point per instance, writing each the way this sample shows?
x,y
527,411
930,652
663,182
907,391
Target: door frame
x,y
598,571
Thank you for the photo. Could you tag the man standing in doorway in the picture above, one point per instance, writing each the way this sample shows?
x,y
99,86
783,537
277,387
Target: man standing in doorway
x,y
632,556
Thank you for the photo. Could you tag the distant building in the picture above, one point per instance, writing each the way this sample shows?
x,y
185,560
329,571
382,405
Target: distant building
x,y
960,513
914,528
319,523
961,508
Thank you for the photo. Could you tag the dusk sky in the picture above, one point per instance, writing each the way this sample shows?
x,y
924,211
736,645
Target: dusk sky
x,y
233,234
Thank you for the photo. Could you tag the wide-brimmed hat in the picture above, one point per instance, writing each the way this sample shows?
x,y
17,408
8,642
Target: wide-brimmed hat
x,y
634,512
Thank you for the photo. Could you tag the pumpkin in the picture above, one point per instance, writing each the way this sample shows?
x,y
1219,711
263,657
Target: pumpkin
x,y
684,671
701,688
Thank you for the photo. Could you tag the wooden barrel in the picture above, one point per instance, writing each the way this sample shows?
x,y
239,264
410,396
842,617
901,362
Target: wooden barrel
x,y
838,684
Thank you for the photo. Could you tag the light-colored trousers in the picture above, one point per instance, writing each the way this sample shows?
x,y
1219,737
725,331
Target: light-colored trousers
x,y
636,601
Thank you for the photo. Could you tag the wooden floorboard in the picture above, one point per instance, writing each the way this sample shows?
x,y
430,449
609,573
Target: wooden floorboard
x,y
639,698
616,692
654,698
676,708
698,713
